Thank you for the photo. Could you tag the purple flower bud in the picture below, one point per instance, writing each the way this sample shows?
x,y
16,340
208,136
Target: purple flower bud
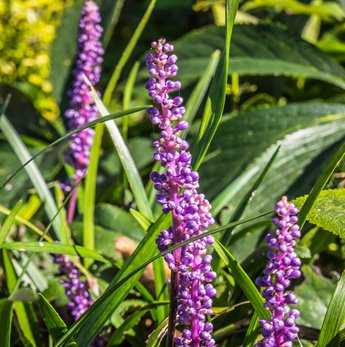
x,y
178,193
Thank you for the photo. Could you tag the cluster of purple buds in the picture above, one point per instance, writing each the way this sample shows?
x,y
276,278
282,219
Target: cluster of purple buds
x,y
76,290
178,193
82,109
282,267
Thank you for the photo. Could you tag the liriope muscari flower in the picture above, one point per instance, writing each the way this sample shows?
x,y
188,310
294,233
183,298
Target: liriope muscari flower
x,y
178,193
76,290
282,267
81,108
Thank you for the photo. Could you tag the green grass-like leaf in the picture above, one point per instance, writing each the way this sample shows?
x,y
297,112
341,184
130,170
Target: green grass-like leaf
x,y
56,248
33,172
127,53
9,221
243,280
335,314
218,88
126,159
54,323
6,316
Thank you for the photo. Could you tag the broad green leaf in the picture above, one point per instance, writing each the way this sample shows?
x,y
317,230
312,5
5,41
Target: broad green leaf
x,y
34,174
9,222
92,321
64,47
316,292
127,53
55,324
321,183
245,143
328,211
125,158
217,93
242,280
334,319
20,309
6,315
257,50
52,247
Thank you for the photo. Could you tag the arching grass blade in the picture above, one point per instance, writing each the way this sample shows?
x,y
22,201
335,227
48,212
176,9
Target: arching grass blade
x,y
55,324
8,223
243,280
69,134
6,316
126,159
334,318
218,88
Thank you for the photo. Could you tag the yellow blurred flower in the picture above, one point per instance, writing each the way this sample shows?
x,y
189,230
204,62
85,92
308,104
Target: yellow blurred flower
x,y
27,29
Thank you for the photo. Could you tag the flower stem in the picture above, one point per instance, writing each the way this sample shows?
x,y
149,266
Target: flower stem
x,y
173,309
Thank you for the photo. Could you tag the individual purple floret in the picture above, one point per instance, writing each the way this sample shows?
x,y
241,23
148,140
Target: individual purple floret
x,y
76,290
282,267
178,193
81,108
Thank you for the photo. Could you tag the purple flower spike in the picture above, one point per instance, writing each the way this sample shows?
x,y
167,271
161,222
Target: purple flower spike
x,y
178,193
79,299
282,267
82,108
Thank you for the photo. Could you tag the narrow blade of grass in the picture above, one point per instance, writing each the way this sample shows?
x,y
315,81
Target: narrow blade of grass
x,y
127,53
20,308
200,89
20,220
243,280
218,88
54,323
247,197
225,240
55,248
156,337
334,318
125,158
33,172
320,184
115,16
127,95
9,221
6,316
69,134
252,331
90,192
